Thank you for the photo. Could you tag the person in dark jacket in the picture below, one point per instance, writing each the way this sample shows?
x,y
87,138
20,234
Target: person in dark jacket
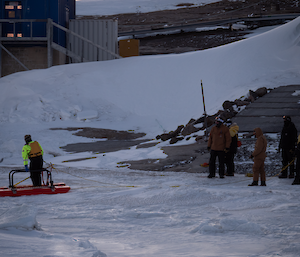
x,y
287,144
259,156
297,177
218,143
229,156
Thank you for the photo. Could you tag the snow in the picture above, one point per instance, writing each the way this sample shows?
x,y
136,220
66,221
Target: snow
x,y
115,211
111,7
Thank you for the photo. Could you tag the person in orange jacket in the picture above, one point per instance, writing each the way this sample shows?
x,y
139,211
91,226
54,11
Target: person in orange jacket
x,y
218,144
259,156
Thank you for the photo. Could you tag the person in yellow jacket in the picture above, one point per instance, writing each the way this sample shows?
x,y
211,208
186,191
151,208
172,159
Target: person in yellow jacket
x,y
218,144
229,156
33,151
259,156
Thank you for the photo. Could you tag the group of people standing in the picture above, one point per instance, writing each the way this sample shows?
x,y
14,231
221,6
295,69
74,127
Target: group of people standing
x,y
223,143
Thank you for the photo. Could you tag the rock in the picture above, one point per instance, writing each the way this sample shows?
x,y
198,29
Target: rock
x,y
192,121
200,120
241,102
251,99
253,94
210,120
167,136
189,129
175,139
261,91
227,105
227,115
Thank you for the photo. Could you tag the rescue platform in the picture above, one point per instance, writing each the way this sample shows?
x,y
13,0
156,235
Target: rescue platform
x,y
47,187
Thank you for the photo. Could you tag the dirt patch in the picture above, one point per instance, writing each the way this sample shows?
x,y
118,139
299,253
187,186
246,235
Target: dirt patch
x,y
183,158
190,158
219,10
192,41
101,146
99,133
188,41
116,140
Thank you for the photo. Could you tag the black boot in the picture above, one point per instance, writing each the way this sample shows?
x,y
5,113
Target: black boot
x,y
296,181
283,174
254,183
263,183
211,176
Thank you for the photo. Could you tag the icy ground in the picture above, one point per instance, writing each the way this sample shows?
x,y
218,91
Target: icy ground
x,y
113,211
131,213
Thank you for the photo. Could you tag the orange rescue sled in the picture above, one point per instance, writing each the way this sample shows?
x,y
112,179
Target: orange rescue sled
x,y
47,188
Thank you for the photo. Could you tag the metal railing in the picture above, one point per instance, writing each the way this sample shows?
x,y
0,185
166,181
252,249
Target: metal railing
x,y
23,30
29,23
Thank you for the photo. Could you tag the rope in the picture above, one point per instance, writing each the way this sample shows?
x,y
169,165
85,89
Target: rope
x,y
284,168
116,185
21,181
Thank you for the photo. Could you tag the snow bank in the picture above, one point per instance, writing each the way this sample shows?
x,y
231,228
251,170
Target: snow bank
x,y
21,217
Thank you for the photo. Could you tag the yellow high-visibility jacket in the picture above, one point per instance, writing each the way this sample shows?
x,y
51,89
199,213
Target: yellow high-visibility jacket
x,y
33,149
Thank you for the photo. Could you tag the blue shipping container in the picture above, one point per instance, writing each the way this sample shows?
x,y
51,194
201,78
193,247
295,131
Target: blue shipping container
x,y
60,11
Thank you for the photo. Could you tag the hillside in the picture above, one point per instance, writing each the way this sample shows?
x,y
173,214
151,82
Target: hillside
x,y
192,41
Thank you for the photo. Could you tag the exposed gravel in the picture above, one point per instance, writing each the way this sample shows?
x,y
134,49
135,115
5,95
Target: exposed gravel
x,y
185,42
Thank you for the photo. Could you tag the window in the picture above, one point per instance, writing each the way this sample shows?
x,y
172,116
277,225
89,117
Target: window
x,y
13,5
11,14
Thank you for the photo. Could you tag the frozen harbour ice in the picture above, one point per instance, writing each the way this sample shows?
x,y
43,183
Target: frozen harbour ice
x,y
136,213
112,211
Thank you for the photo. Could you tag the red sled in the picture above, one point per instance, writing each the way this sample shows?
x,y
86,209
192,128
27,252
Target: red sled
x,y
47,188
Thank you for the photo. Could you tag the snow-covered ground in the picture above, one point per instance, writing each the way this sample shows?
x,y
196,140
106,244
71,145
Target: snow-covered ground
x,y
114,211
164,214
110,7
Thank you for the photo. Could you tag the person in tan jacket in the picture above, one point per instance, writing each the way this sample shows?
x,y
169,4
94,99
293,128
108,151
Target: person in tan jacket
x,y
259,156
218,143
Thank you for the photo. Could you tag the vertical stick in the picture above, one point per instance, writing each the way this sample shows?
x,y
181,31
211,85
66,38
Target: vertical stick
x,y
205,121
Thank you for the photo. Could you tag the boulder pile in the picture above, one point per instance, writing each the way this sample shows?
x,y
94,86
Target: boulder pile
x,y
230,109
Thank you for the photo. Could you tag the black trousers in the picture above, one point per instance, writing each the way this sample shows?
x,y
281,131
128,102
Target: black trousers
x,y
297,177
287,157
229,161
212,162
36,163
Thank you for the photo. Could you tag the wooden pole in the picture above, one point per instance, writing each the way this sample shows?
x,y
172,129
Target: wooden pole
x,y
205,121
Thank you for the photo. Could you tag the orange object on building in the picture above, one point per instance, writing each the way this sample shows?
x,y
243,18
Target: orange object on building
x,y
129,47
